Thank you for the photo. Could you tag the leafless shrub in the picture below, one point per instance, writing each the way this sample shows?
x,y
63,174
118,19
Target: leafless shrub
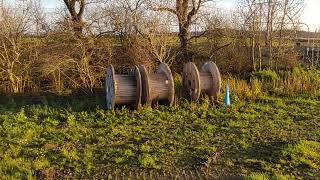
x,y
72,51
14,66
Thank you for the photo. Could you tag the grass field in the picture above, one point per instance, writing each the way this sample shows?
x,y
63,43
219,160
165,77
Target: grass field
x,y
261,136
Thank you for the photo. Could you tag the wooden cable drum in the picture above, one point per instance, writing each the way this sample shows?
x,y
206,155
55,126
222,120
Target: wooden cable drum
x,y
123,89
157,87
206,81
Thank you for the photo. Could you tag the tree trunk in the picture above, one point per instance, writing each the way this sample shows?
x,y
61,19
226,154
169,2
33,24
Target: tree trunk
x,y
77,26
76,16
260,55
77,29
183,37
268,35
253,53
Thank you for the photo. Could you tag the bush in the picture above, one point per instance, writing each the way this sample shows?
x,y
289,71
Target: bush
x,y
266,75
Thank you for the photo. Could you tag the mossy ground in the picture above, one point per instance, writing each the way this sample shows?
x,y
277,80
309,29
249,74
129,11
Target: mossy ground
x,y
269,137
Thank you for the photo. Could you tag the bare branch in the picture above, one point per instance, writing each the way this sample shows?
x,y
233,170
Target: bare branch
x,y
198,36
165,9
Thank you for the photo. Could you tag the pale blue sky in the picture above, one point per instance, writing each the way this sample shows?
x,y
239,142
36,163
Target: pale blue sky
x,y
311,14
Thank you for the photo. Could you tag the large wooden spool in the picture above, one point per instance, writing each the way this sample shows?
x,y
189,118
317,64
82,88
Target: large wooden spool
x,y
123,89
158,88
206,81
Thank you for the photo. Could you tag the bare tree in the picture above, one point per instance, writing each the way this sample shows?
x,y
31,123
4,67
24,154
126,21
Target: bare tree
x,y
158,38
76,15
276,20
185,11
14,68
252,15
39,22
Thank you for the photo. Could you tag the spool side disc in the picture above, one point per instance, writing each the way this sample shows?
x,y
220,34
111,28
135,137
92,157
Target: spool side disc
x,y
164,68
191,80
211,67
145,96
110,88
138,88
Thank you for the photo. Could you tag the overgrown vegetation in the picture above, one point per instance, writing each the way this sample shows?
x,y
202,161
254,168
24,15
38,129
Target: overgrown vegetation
x,y
266,133
53,122
70,49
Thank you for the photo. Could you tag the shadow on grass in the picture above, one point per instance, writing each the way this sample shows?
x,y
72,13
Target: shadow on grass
x,y
266,151
260,157
76,101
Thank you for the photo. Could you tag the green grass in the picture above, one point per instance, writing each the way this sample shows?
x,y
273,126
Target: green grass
x,y
270,137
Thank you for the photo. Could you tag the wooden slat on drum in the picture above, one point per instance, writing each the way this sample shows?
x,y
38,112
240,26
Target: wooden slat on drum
x,y
123,89
206,81
157,87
